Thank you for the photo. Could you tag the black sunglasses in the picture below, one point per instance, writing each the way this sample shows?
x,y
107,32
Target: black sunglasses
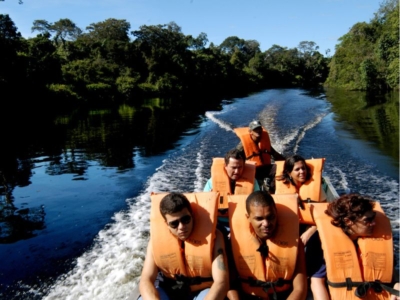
x,y
184,220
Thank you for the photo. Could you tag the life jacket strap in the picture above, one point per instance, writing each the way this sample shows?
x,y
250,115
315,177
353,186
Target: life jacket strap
x,y
363,287
182,282
257,154
301,202
266,285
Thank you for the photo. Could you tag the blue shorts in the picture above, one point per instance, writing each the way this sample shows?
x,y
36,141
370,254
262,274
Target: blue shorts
x,y
315,261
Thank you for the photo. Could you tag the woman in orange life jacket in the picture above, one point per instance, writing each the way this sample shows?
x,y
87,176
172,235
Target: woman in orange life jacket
x,y
296,172
354,214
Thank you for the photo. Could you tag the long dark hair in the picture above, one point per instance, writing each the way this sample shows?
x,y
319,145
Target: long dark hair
x,y
288,168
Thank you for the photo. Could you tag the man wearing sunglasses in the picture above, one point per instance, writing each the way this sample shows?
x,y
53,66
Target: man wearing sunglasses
x,y
185,256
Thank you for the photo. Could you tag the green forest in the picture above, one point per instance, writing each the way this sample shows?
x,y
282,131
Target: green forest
x,y
106,62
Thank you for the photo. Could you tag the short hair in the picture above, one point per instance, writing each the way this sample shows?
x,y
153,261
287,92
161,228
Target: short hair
x,y
174,202
351,206
259,198
234,153
288,168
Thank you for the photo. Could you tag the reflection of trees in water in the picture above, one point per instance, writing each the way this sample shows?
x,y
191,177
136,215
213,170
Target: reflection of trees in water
x,y
68,144
17,224
374,117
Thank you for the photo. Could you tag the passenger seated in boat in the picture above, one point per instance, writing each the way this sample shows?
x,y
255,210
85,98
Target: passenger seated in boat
x,y
358,248
256,146
187,261
268,254
230,175
296,178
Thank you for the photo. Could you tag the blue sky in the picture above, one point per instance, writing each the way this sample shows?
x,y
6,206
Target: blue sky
x,y
282,22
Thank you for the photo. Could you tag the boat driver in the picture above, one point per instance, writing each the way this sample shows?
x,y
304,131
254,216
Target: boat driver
x,y
178,215
256,146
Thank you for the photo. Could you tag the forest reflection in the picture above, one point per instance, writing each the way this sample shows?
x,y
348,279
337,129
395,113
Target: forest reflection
x,y
68,144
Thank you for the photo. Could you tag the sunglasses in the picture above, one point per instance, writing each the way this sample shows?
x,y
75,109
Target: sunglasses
x,y
184,220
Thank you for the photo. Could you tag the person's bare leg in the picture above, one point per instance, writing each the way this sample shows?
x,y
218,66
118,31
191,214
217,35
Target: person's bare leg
x,y
318,288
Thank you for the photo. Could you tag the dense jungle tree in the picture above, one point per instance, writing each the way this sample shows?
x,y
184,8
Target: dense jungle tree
x,y
10,44
63,30
313,67
164,49
367,56
43,65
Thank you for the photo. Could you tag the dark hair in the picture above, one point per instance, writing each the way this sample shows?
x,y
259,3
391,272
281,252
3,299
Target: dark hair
x,y
288,168
351,206
234,153
259,198
174,202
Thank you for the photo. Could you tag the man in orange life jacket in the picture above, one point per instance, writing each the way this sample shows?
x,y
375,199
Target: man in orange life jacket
x,y
178,216
267,228
231,175
234,170
256,145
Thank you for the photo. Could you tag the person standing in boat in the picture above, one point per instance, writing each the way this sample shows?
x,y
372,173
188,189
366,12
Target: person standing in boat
x,y
256,146
296,178
361,240
268,254
185,255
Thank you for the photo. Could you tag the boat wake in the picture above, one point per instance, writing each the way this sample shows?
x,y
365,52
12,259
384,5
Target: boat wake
x,y
224,125
305,128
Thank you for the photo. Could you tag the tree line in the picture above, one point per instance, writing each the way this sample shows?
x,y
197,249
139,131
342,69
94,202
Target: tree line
x,y
107,62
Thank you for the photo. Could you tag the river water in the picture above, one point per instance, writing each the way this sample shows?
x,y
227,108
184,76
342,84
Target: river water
x,y
95,219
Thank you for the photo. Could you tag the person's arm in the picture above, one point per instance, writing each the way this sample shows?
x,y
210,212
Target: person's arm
x,y
240,147
299,277
149,275
219,270
208,186
276,154
396,287
307,234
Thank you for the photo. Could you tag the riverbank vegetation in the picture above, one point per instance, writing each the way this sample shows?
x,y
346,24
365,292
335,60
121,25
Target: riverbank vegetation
x,y
107,63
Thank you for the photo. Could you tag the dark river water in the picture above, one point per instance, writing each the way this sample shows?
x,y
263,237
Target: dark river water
x,y
75,202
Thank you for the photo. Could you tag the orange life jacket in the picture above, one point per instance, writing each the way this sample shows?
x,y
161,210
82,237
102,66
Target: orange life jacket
x,y
196,258
221,181
259,276
309,190
260,153
346,270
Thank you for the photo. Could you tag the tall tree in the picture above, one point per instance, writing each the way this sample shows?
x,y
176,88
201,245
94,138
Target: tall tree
x,y
63,30
10,43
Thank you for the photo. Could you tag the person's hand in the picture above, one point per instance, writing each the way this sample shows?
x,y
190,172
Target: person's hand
x,y
396,287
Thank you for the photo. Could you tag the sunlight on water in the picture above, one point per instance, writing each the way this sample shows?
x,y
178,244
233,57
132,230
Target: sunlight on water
x,y
305,128
211,115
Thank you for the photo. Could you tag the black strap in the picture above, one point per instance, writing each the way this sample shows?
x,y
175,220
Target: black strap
x,y
363,287
301,202
257,154
182,282
266,285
